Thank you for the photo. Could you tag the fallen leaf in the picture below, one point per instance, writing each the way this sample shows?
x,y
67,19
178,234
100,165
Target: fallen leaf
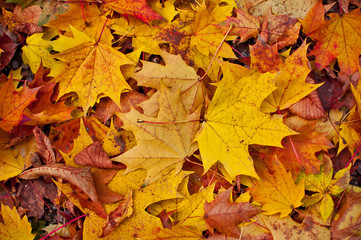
x,y
136,8
293,8
224,216
13,103
14,160
44,146
177,76
305,145
287,228
163,143
233,121
13,227
277,191
94,156
123,211
338,39
80,177
92,68
347,222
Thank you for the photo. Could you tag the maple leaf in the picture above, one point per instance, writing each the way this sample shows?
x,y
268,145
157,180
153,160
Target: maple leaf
x,y
190,210
14,160
93,26
37,52
224,216
293,8
290,83
305,145
233,121
140,223
91,68
175,75
246,25
13,103
339,38
163,143
287,228
195,37
347,222
13,227
177,232
324,187
276,190
136,8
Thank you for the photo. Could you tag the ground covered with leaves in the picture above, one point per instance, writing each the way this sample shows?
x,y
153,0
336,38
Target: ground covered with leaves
x,y
180,119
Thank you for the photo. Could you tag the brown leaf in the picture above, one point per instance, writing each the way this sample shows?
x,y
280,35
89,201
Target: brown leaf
x,y
119,214
101,178
30,194
347,223
80,177
94,156
44,146
224,216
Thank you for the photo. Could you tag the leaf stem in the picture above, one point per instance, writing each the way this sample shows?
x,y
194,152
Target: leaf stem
x,y
215,54
73,220
185,121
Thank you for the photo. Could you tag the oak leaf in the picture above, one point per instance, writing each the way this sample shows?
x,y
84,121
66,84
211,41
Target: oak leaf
x,y
224,216
13,103
13,227
233,121
90,68
44,146
339,38
276,190
163,143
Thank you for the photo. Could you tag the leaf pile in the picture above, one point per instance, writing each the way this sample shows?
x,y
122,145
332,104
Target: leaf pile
x,y
173,119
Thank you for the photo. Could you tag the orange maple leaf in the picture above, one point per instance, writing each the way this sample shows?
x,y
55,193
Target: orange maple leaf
x,y
13,103
338,38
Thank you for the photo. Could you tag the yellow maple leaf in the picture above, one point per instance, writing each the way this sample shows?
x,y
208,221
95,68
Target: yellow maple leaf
x,y
290,83
194,35
164,142
140,223
91,68
37,51
177,76
277,191
233,121
324,187
14,160
13,227
93,26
